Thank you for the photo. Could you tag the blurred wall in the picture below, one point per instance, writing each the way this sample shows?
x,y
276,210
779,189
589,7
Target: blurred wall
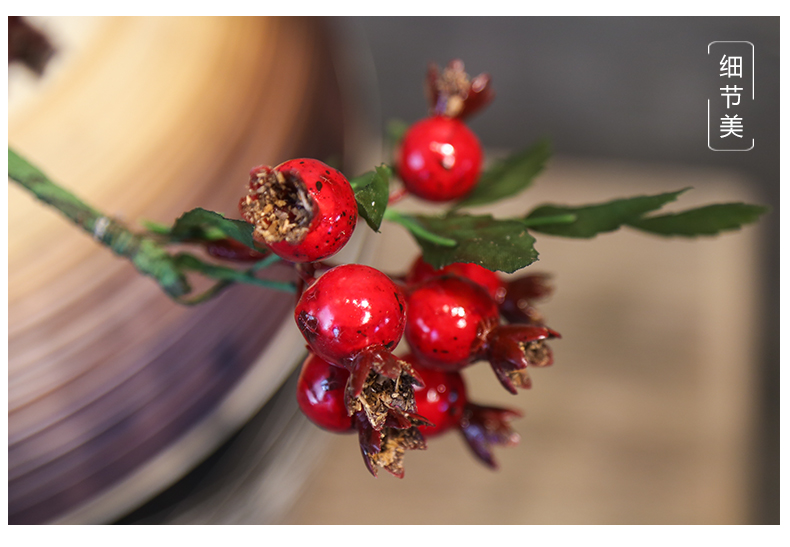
x,y
621,88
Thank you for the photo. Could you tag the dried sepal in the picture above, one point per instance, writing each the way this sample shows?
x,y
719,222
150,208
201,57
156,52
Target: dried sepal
x,y
520,296
480,345
484,427
278,205
453,94
382,386
512,348
387,447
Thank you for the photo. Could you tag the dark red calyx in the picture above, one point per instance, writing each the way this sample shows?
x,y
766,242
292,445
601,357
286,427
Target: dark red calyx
x,y
453,94
520,296
382,387
386,447
513,348
484,427
230,249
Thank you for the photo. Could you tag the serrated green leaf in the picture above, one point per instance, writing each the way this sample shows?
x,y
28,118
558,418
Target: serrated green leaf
x,y
371,190
592,220
708,220
203,224
502,245
509,176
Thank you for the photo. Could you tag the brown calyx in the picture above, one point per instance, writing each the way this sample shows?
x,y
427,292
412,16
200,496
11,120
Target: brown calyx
x,y
519,378
513,348
452,88
382,398
394,444
279,206
452,93
537,353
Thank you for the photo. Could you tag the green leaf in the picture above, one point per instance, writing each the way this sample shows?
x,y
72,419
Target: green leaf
x,y
372,192
203,224
509,176
708,220
495,244
592,220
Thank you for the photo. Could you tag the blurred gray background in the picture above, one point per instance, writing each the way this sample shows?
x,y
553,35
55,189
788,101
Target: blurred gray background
x,y
620,88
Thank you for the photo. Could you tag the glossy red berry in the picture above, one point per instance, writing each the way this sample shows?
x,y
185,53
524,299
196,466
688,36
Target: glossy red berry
x,y
348,309
448,320
444,402
440,159
320,392
441,401
421,271
303,210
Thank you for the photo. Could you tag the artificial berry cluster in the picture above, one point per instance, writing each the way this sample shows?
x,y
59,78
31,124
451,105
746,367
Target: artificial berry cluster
x,y
353,317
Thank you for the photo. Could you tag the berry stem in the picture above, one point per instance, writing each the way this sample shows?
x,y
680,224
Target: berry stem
x,y
397,195
146,253
148,256
417,229
187,261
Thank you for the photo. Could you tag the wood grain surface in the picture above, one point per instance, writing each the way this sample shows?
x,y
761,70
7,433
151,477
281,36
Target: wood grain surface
x,y
146,118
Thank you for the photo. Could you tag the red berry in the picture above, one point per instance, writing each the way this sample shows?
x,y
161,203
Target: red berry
x,y
320,392
441,401
349,309
444,402
303,210
421,271
448,320
440,159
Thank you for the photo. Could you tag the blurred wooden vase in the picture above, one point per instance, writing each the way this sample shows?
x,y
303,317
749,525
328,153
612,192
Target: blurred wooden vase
x,y
114,390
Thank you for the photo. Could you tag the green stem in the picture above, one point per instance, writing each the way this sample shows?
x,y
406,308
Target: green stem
x,y
265,263
146,253
210,293
223,273
417,229
555,219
